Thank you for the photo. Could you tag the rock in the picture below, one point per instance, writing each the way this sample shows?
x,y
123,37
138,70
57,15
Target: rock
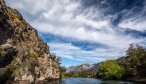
x,y
41,78
5,46
23,55
28,77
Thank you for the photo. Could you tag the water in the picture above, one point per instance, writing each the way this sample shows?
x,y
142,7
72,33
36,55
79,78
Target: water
x,y
88,81
79,81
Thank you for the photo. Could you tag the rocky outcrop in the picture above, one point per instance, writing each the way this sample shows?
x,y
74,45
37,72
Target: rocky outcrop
x,y
23,55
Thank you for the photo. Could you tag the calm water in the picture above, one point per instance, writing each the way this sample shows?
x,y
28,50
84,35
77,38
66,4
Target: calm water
x,y
87,81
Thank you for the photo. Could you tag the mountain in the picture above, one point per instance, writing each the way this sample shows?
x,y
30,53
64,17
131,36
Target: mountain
x,y
23,55
83,68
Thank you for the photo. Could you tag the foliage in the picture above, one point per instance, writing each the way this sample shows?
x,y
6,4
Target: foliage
x,y
111,70
80,74
55,58
3,53
130,66
62,71
135,61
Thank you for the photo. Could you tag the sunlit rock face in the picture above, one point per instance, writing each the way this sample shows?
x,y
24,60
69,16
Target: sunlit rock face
x,y
23,55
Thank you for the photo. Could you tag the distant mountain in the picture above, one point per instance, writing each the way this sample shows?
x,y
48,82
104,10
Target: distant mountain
x,y
83,68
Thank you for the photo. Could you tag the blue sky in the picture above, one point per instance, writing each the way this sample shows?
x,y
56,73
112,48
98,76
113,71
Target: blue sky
x,y
86,31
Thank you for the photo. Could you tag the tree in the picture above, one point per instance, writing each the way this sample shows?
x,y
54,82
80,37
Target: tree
x,y
110,69
135,60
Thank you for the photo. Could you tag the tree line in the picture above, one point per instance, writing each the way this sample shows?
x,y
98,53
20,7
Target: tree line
x,y
132,65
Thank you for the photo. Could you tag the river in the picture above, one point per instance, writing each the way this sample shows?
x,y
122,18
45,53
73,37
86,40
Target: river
x,y
88,81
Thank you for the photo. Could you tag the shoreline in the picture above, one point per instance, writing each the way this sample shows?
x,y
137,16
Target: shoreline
x,y
136,80
139,80
35,82
57,80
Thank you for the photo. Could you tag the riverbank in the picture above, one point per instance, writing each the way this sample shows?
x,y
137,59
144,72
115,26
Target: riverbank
x,y
135,80
139,80
83,81
52,80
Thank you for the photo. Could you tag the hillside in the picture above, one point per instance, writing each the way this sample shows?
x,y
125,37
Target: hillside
x,y
23,55
83,68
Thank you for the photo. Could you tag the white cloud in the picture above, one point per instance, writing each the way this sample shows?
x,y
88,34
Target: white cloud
x,y
31,6
71,52
134,24
111,39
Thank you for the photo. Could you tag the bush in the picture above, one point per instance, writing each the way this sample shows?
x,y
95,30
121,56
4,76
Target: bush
x,y
111,70
3,53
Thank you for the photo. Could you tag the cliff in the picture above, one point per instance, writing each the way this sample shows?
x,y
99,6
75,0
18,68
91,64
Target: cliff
x,y
23,55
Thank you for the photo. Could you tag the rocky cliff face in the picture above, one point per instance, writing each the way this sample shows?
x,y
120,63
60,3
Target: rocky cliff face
x,y
23,55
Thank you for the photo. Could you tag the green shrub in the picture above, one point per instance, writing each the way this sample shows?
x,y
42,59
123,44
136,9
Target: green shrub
x,y
3,53
111,70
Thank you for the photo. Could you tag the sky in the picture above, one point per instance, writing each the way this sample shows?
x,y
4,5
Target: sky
x,y
86,31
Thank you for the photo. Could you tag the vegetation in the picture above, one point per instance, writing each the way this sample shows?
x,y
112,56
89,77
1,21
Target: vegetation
x,y
62,71
80,74
76,74
135,61
3,53
55,58
110,69
133,65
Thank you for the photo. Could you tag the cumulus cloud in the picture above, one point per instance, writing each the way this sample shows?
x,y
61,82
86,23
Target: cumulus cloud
x,y
67,18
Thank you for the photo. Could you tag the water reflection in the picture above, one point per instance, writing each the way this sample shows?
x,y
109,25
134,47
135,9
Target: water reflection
x,y
79,81
88,81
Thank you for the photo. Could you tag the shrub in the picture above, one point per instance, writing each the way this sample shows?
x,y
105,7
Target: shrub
x,y
111,70
3,53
